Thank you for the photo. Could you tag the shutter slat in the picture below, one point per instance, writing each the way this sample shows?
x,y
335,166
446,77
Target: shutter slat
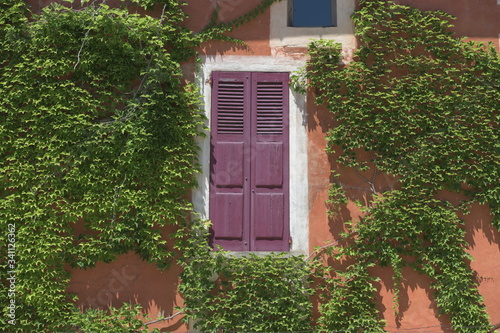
x,y
231,106
269,108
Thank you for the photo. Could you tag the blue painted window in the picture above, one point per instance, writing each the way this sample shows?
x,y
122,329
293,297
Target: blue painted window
x,y
312,13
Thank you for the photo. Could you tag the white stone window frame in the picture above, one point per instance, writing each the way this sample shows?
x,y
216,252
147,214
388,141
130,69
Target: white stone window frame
x,y
283,35
298,179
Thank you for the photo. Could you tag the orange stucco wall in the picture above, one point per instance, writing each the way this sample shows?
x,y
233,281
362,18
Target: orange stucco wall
x,y
477,19
129,279
255,33
480,21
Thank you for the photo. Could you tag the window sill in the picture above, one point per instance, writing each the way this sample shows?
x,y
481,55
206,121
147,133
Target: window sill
x,y
260,254
301,27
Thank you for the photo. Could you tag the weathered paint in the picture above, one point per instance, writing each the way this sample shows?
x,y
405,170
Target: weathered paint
x,y
272,47
283,36
255,33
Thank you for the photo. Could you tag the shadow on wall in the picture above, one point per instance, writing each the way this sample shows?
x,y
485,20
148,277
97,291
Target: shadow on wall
x,y
416,309
255,33
129,279
214,48
478,222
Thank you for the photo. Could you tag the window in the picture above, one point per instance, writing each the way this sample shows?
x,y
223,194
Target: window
x,y
312,13
249,168
338,25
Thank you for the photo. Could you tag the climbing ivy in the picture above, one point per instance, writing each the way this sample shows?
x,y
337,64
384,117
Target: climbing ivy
x,y
98,148
423,107
123,320
98,152
246,294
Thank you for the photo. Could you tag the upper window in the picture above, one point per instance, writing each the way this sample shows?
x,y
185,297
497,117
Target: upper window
x,y
312,13
249,168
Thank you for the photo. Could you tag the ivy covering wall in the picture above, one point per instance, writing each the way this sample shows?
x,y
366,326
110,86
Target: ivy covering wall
x,y
97,155
421,106
251,293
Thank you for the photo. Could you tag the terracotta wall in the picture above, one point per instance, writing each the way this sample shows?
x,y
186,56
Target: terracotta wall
x,y
477,19
131,280
254,33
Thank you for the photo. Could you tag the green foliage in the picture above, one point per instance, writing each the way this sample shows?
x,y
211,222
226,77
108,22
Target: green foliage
x,y
347,300
336,198
428,231
247,294
424,103
96,127
98,154
123,320
425,106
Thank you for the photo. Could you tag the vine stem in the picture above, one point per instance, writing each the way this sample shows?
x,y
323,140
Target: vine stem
x,y
369,182
328,245
146,74
85,37
166,318
494,328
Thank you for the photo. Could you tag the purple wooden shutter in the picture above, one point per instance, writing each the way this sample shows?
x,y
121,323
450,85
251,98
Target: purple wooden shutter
x,y
270,165
249,161
229,212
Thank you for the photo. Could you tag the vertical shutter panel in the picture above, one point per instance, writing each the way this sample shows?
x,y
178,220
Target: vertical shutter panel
x,y
269,181
228,216
229,210
269,162
269,216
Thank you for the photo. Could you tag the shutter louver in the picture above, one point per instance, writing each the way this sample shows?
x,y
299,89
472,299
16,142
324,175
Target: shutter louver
x,y
230,106
270,108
